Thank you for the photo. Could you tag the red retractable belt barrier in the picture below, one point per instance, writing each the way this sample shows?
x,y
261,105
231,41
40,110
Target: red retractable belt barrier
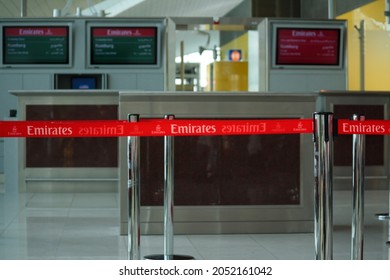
x,y
153,127
183,127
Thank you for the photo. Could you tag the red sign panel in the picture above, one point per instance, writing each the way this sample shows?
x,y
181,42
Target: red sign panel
x,y
307,46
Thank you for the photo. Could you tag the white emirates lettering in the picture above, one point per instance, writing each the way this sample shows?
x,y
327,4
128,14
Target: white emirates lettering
x,y
363,128
49,131
190,129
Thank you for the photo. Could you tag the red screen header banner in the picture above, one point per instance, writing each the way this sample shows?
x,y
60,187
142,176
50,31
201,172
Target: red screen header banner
x,y
123,32
36,31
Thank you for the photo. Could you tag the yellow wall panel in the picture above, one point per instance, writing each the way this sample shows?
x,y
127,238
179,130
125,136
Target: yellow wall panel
x,y
376,45
230,76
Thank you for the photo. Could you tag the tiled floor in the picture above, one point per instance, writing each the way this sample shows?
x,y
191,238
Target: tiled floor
x,y
85,226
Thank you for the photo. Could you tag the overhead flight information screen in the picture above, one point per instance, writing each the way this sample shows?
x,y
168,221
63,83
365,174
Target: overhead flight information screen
x,y
307,46
123,45
36,45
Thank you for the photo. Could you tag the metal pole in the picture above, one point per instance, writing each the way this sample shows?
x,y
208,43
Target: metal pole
x,y
168,193
331,9
358,157
168,202
182,66
134,231
23,8
323,190
360,29
362,53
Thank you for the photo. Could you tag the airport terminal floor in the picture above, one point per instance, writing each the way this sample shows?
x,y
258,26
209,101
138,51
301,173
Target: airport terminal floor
x,y
85,226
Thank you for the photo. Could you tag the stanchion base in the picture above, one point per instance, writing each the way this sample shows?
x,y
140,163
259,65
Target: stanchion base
x,y
174,257
383,216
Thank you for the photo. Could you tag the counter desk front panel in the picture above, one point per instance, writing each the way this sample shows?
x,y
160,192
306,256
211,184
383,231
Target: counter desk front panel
x,y
374,106
68,164
224,184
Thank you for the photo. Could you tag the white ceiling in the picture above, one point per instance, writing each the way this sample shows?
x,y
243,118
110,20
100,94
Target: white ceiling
x,y
120,8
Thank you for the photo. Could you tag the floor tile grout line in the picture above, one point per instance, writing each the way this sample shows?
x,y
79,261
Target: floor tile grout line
x,y
194,247
61,238
251,236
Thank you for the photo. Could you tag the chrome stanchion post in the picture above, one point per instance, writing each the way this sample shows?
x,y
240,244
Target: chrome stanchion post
x,y
168,193
133,156
323,190
358,162
169,180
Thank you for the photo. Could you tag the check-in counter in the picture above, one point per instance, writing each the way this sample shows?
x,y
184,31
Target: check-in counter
x,y
374,106
68,164
224,184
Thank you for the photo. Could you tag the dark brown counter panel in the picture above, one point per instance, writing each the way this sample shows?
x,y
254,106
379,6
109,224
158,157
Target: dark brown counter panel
x,y
71,152
224,170
68,164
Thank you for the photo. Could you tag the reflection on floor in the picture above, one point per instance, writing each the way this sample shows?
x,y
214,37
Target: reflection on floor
x,y
86,226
